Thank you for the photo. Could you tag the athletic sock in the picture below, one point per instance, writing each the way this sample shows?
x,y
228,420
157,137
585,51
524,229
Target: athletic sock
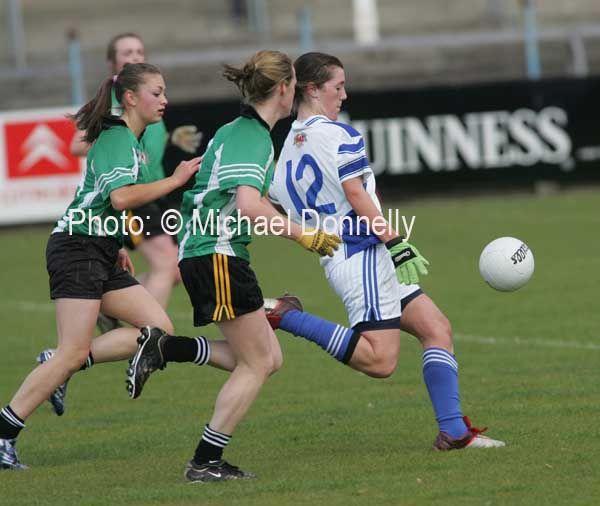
x,y
440,372
89,362
186,349
211,446
337,340
10,424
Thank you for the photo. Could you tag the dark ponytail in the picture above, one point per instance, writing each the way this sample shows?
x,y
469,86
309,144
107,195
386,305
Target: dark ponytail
x,y
90,117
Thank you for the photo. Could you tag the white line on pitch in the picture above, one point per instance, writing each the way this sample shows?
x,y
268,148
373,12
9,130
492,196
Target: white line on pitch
x,y
29,306
48,307
523,341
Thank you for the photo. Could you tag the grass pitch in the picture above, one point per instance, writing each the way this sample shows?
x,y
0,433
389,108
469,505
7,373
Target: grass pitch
x,y
319,432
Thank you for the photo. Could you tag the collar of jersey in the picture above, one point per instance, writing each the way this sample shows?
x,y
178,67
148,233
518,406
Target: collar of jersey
x,y
248,111
311,120
112,121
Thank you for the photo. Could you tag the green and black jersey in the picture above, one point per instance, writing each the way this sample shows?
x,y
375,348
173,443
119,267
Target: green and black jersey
x,y
116,159
240,154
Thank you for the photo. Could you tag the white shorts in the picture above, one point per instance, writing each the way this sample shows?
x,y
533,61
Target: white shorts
x,y
367,284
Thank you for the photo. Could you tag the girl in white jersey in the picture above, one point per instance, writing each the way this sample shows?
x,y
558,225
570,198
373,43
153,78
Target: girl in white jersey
x,y
323,170
88,268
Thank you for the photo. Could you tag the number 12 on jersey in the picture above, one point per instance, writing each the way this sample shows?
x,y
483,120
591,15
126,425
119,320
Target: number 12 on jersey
x,y
313,190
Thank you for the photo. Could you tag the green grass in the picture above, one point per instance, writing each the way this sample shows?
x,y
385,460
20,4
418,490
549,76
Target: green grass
x,y
321,433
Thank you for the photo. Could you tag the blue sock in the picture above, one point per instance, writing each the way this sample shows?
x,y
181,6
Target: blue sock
x,y
337,340
440,372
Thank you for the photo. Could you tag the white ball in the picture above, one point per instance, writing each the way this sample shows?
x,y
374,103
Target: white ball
x,y
506,264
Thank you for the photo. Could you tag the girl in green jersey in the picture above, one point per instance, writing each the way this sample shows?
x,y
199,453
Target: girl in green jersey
x,y
88,268
215,267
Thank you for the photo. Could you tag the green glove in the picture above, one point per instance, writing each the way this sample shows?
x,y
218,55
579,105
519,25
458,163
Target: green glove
x,y
408,262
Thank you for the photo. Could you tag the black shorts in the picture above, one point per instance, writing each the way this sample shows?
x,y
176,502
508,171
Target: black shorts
x,y
150,215
220,287
84,267
392,323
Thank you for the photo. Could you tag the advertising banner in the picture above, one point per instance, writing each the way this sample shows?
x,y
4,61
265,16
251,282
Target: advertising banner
x,y
455,138
458,137
38,174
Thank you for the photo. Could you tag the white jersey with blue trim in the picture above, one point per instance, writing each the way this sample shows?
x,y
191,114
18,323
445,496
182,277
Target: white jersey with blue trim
x,y
317,157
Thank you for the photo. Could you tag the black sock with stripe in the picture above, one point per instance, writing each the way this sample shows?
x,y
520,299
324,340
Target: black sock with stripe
x,y
10,424
211,446
89,362
186,349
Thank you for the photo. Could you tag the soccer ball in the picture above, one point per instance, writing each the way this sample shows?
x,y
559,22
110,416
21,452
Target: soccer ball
x,y
506,264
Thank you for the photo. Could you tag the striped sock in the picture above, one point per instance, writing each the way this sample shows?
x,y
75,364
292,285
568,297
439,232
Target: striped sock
x,y
211,446
89,362
440,372
186,349
203,354
337,340
10,424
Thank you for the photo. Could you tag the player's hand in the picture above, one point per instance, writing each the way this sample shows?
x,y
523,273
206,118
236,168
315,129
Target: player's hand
x,y
186,138
186,169
319,241
124,261
408,262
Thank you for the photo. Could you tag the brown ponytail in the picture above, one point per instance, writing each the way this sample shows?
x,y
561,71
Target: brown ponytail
x,y
91,115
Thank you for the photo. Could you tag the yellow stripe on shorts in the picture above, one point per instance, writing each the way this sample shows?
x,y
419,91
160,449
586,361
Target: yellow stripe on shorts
x,y
216,314
222,288
229,306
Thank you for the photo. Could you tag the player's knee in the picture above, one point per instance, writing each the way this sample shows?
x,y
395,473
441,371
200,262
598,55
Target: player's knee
x,y
176,275
276,362
74,358
261,368
442,334
382,367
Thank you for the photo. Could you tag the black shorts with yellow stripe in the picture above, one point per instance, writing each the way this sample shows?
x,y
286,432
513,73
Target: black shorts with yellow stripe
x,y
220,287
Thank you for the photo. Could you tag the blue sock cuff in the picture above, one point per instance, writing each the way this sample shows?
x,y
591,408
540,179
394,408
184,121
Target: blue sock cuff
x,y
337,340
439,357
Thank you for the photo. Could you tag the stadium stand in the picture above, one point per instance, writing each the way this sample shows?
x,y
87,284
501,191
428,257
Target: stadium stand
x,y
475,40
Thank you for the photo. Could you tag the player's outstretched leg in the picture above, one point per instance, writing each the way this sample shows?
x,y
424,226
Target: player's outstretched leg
x,y
155,349
286,313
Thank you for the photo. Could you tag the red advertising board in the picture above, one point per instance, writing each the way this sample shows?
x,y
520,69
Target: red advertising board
x,y
39,148
38,173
